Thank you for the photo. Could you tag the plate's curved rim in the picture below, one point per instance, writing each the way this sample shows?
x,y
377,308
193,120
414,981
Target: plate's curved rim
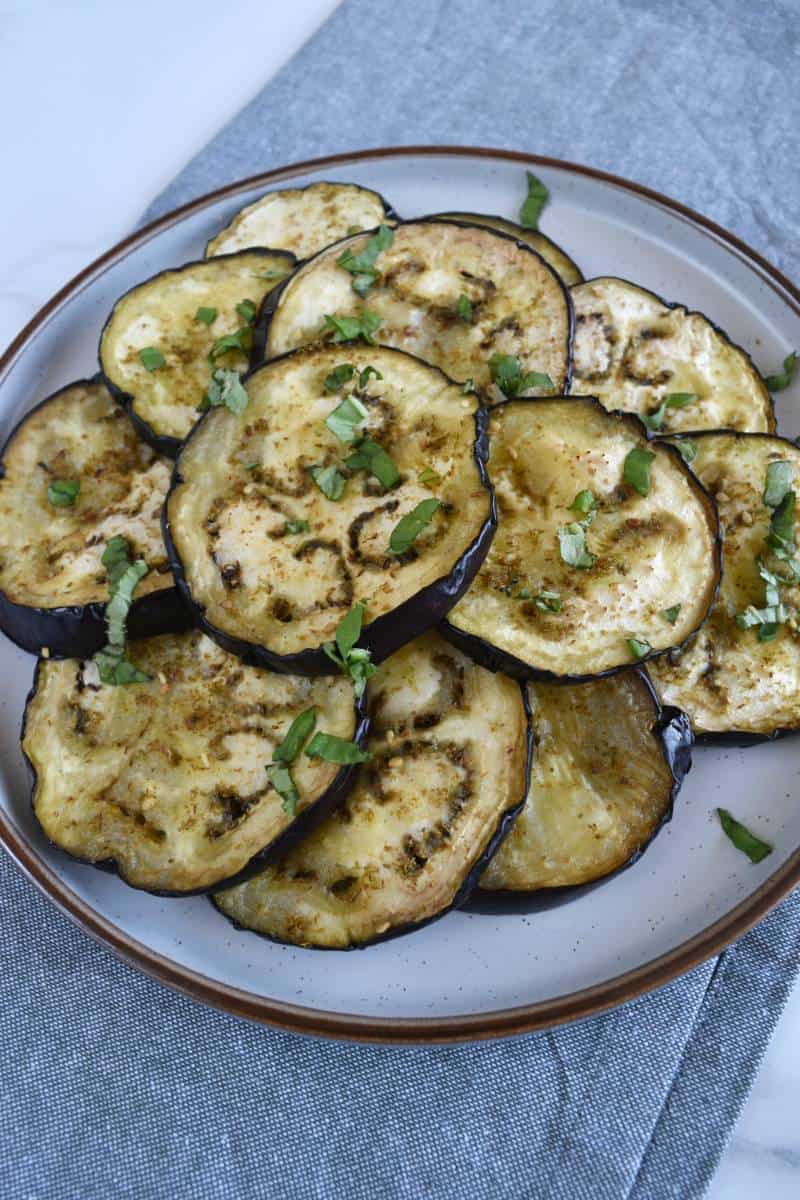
x,y
321,1023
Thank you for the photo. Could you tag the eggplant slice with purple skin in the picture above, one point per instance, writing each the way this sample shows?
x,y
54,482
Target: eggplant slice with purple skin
x,y
742,685
586,575
271,561
166,781
451,747
550,251
637,352
451,294
74,474
303,220
607,765
165,338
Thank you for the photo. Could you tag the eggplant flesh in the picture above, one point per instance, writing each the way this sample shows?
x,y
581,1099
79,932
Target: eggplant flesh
x,y
167,780
632,349
653,551
162,315
53,586
519,307
601,786
549,250
271,564
302,220
449,767
734,686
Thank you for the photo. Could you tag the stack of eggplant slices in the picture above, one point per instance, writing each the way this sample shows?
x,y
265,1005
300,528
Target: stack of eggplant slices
x,y
383,562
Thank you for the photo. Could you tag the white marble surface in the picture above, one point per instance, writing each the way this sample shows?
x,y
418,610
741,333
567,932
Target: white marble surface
x,y
110,101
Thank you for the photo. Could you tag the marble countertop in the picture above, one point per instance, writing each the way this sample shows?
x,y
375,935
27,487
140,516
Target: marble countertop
x,y
84,157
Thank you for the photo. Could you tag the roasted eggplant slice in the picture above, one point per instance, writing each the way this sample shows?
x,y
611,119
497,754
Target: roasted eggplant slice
x,y
607,547
302,220
455,295
450,747
166,337
274,537
552,253
671,366
73,474
607,765
167,781
739,678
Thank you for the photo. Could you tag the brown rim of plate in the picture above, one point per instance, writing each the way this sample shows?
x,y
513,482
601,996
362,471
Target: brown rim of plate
x,y
504,1023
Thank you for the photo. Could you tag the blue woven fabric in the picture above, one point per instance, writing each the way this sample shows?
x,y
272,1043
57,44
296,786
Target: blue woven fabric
x,y
115,1087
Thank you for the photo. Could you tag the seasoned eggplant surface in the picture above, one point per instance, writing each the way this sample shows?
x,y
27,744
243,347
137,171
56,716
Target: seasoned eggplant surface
x,y
302,220
636,352
450,759
275,538
168,779
73,475
452,294
743,683
606,549
166,337
606,766
552,253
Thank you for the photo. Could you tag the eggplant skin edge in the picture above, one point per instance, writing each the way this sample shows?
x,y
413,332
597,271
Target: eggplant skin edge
x,y
78,630
695,312
386,633
467,886
165,444
674,731
273,298
293,833
495,659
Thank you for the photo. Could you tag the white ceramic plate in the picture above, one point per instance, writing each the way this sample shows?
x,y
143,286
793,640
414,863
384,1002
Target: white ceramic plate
x,y
469,975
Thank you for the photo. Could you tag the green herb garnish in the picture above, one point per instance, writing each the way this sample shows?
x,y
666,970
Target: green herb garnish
x,y
636,470
782,380
469,386
206,316
241,340
338,377
225,390
346,419
638,647
123,578
62,493
464,309
151,359
349,329
428,477
369,456
671,614
296,737
778,482
281,779
535,201
584,502
351,659
297,526
548,602
409,527
507,374
247,311
336,750
572,544
655,420
687,450
742,838
362,265
329,480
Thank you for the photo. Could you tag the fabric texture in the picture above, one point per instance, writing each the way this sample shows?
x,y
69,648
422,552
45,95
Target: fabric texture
x,y
116,1087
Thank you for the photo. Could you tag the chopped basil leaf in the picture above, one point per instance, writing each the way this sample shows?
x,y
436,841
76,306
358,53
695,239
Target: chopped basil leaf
x,y
353,661
151,358
469,386
671,614
742,838
349,329
370,456
584,502
281,779
62,493
351,229
297,526
687,450
123,578
241,340
206,316
781,381
548,602
638,647
336,750
362,265
781,527
349,629
655,420
409,527
507,374
636,470
345,420
329,480
428,477
535,201
297,735
225,390
367,374
247,311
464,309
524,594
572,544
778,482
338,377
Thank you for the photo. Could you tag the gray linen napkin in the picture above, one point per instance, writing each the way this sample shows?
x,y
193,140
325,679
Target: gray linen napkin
x,y
116,1087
